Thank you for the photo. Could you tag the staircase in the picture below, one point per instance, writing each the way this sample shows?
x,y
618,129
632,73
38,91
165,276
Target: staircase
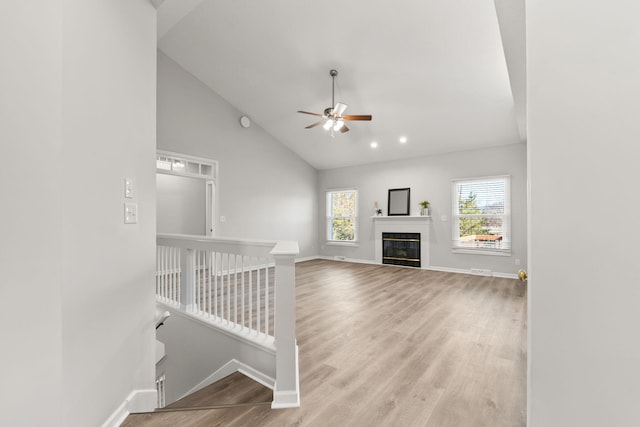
x,y
231,306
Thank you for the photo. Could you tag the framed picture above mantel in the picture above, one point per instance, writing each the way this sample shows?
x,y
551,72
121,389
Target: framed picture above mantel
x,y
399,201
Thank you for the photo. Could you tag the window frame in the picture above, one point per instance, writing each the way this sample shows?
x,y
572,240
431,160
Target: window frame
x,y
330,217
506,218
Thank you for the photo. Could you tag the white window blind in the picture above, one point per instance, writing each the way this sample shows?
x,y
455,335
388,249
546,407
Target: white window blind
x,y
342,213
482,215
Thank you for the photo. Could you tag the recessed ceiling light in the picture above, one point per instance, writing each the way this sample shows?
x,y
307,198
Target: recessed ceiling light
x,y
403,139
374,144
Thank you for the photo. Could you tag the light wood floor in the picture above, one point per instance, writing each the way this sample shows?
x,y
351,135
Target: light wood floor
x,y
393,346
235,389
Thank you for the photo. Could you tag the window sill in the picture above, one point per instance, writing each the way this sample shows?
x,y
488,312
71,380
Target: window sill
x,y
480,252
338,243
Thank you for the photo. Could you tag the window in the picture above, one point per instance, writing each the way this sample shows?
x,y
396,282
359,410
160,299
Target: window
x,y
481,215
181,164
342,213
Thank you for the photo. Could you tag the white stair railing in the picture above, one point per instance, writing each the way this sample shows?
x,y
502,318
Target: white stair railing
x,y
244,287
235,289
168,274
160,381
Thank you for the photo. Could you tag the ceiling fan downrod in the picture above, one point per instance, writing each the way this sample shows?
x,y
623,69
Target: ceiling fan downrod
x,y
333,74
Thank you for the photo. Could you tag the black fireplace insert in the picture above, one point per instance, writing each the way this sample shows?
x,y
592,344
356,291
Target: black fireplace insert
x,y
401,249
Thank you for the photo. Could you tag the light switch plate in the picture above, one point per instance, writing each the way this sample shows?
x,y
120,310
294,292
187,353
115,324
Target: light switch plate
x,y
129,188
130,213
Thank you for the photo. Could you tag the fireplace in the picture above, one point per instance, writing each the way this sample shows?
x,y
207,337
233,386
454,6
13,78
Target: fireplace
x,y
414,224
401,249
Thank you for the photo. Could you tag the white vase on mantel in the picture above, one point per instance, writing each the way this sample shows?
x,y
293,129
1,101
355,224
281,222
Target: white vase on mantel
x,y
424,211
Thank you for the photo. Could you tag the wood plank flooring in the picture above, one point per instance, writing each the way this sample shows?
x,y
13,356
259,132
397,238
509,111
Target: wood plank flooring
x,y
235,389
392,346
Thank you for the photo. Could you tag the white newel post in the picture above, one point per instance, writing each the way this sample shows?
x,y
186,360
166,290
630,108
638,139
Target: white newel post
x,y
188,288
286,393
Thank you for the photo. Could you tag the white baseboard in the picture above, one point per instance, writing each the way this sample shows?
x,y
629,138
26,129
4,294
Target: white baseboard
x,y
345,259
463,271
144,400
285,399
256,375
229,368
307,258
505,275
445,269
118,416
434,268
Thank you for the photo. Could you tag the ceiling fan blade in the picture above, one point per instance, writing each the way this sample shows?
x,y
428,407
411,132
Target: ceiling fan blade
x,y
315,124
357,117
344,129
313,114
339,109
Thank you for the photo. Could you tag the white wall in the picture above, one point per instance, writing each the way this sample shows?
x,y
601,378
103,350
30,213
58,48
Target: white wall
x,y
30,344
108,267
108,302
180,204
584,292
430,179
265,190
78,108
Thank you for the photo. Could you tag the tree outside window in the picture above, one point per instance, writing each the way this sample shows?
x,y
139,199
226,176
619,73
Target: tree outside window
x,y
341,215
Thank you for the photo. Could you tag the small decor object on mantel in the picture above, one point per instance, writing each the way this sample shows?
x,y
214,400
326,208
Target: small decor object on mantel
x,y
424,208
379,212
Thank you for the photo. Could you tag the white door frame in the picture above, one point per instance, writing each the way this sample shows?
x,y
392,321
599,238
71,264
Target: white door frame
x,y
210,207
194,167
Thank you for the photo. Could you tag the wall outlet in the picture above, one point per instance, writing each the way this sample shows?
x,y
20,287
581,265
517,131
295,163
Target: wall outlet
x,y
223,218
443,218
517,261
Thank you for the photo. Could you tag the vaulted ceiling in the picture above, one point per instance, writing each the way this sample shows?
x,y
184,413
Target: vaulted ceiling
x,y
446,74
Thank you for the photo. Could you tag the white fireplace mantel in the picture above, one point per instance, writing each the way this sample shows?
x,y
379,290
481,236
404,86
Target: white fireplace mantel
x,y
403,224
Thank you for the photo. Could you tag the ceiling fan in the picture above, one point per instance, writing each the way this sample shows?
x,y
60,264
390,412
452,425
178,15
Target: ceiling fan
x,y
332,118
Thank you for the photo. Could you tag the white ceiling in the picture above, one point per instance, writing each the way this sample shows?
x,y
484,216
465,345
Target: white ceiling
x,y
435,71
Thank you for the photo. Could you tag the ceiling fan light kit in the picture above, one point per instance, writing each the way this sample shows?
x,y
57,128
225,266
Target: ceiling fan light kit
x,y
332,117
